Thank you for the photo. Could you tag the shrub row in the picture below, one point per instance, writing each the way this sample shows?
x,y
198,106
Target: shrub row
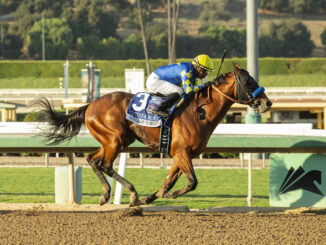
x,y
267,66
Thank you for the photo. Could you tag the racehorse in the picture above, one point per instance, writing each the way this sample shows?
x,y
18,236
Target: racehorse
x,y
194,122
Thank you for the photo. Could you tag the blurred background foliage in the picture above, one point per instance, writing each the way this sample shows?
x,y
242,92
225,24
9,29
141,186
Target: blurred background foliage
x,y
109,29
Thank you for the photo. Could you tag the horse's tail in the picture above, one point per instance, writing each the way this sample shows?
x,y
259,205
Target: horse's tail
x,y
61,127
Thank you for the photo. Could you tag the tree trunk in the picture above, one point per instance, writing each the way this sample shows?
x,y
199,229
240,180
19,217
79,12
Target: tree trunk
x,y
169,33
142,30
176,10
172,37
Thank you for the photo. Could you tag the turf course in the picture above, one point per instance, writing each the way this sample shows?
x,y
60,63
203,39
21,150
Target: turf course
x,y
217,187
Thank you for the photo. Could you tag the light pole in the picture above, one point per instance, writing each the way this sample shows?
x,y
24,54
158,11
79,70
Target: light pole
x,y
66,75
43,38
252,53
1,33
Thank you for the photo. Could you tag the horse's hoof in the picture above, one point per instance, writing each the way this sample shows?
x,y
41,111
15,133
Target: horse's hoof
x,y
135,203
104,199
134,200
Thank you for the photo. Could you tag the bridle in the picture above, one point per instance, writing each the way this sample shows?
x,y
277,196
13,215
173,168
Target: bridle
x,y
250,96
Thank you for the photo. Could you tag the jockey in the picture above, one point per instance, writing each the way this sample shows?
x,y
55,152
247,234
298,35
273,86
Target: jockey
x,y
178,80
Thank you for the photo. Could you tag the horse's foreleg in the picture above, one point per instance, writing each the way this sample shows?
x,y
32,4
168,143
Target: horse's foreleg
x,y
185,165
94,160
171,179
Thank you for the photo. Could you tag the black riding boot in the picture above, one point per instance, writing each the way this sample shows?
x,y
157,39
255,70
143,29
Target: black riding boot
x,y
162,108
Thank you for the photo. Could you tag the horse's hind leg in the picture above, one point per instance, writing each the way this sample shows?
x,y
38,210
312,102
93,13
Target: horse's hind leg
x,y
110,155
94,159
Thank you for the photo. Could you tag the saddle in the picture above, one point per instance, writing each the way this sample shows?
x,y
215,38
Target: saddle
x,y
139,112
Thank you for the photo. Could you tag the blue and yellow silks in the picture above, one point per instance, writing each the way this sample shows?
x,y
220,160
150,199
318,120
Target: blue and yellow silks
x,y
180,74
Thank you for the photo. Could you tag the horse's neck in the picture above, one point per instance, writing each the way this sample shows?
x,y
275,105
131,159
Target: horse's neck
x,y
219,106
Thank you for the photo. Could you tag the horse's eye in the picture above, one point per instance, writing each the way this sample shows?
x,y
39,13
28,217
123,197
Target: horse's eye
x,y
249,83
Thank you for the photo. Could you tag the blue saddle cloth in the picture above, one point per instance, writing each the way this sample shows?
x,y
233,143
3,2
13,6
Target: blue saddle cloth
x,y
137,112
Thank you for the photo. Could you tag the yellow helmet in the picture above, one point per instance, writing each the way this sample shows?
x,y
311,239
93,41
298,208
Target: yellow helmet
x,y
203,61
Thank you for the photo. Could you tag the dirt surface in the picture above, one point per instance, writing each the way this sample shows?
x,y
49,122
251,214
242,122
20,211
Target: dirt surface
x,y
136,226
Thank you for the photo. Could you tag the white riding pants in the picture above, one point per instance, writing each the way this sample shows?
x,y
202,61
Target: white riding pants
x,y
155,85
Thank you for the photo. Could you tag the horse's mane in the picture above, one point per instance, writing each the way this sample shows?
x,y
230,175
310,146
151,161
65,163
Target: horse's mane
x,y
221,78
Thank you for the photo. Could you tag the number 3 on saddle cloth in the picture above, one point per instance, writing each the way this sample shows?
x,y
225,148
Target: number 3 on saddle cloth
x,y
137,113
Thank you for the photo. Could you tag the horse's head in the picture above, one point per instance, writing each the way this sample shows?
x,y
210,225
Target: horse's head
x,y
247,91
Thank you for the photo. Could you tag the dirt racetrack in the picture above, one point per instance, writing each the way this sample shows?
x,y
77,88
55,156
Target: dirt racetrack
x,y
136,226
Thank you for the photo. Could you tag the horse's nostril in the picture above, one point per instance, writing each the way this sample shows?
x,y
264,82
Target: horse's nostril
x,y
269,103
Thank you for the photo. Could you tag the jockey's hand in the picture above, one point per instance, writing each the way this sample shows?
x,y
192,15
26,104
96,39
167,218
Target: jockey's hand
x,y
208,84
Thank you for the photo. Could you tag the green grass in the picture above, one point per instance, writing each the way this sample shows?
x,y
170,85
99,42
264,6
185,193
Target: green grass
x,y
217,187
54,82
293,80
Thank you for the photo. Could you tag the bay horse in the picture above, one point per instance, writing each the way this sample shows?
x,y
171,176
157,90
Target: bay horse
x,y
194,122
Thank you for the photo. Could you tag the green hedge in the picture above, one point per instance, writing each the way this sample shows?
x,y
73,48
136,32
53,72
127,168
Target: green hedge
x,y
43,69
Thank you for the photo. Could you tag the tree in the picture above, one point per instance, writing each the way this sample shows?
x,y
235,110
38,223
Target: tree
x,y
271,46
153,4
275,5
103,22
323,37
12,44
91,17
305,6
142,31
232,40
286,39
172,28
133,47
112,49
58,39
215,10
158,45
8,6
190,46
89,47
120,4
133,20
30,12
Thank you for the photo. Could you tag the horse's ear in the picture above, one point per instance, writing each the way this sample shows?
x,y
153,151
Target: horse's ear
x,y
237,68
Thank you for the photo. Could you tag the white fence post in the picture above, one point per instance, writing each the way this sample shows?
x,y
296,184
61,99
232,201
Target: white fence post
x,y
121,172
249,198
